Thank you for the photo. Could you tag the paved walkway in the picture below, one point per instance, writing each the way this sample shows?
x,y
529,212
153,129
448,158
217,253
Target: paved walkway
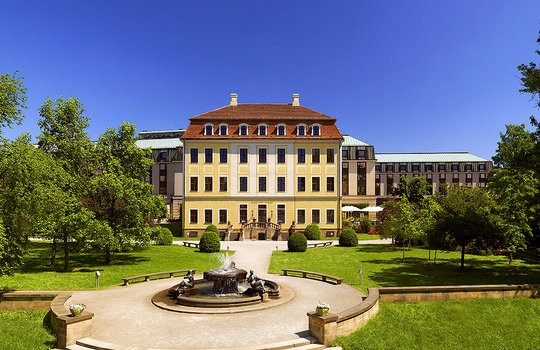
x,y
126,316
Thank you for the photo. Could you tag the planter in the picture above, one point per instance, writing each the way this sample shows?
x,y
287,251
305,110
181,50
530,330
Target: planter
x,y
76,309
321,311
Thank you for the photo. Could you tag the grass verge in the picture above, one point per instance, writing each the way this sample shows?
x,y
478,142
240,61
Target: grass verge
x,y
23,330
452,324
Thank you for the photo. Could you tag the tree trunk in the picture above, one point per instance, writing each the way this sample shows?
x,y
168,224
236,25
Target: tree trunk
x,y
510,258
53,253
66,253
429,254
462,256
435,257
107,255
403,250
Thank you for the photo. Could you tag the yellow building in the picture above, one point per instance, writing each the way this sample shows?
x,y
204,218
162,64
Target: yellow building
x,y
262,163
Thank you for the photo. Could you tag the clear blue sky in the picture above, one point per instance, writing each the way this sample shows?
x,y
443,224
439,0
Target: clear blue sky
x,y
405,76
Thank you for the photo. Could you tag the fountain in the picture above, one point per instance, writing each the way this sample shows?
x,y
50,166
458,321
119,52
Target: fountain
x,y
223,287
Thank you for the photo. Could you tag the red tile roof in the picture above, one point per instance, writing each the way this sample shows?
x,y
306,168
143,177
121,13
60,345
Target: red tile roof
x,y
269,114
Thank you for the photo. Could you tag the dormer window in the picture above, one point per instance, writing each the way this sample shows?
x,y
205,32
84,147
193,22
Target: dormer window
x,y
243,130
223,130
316,130
301,130
262,130
209,130
281,130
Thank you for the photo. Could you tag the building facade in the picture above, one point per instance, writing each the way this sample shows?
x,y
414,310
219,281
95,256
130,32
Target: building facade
x,y
275,163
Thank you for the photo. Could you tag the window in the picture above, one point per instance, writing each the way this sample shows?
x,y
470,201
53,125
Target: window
x,y
389,168
222,184
442,178
208,155
162,157
330,184
361,181
315,184
468,167
377,185
243,212
330,216
301,155
301,184
378,168
455,178
262,183
301,130
224,130
162,178
209,130
481,167
222,216
301,216
194,184
281,213
468,180
262,130
403,167
455,167
208,216
389,184
360,153
281,184
243,184
193,216
194,153
315,155
345,178
243,130
316,130
281,155
315,216
442,167
330,155
345,154
482,180
416,167
262,155
208,184
281,130
428,167
223,155
243,155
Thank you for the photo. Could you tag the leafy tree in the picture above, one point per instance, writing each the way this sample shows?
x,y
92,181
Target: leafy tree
x,y
12,100
415,188
467,214
530,77
404,223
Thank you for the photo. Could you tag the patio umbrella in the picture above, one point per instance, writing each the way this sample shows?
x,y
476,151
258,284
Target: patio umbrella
x,y
372,209
349,208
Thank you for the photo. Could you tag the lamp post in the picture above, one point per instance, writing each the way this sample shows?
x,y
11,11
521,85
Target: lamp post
x,y
97,278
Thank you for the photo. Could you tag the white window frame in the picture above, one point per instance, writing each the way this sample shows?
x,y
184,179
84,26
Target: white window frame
x,y
298,129
265,130
318,127
226,129
240,129
284,129
205,128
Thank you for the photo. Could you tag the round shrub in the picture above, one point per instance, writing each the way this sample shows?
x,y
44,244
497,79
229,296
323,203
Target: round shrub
x,y
212,228
209,242
348,238
365,224
312,232
297,242
164,236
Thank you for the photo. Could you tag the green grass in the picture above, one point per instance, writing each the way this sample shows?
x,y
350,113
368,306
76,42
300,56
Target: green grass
x,y
36,274
452,324
361,237
383,267
23,330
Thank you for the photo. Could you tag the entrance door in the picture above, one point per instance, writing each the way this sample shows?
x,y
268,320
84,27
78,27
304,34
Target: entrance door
x,y
261,213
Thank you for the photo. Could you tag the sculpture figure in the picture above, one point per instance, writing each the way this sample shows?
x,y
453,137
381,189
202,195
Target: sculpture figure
x,y
256,283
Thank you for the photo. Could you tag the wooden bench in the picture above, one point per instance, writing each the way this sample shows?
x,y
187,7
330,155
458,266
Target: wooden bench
x,y
313,275
191,244
147,276
319,244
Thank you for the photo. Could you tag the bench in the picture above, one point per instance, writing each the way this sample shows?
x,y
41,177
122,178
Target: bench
x,y
312,275
191,244
147,276
319,244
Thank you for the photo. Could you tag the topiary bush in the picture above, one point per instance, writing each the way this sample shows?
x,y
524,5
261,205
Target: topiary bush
x,y
365,224
212,228
163,236
348,238
209,242
312,232
297,242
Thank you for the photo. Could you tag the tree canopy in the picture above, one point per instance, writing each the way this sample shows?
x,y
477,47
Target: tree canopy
x,y
12,100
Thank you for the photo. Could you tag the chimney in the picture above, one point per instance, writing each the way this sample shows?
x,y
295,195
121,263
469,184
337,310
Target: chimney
x,y
296,99
234,99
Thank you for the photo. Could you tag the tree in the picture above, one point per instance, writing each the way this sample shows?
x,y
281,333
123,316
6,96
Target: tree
x,y
530,77
12,100
122,203
415,188
467,214
63,136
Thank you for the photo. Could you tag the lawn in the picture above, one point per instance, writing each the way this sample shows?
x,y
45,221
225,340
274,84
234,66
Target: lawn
x,y
451,324
23,330
383,267
361,237
36,274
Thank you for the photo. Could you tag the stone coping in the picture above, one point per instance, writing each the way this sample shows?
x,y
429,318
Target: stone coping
x,y
366,305
457,288
62,314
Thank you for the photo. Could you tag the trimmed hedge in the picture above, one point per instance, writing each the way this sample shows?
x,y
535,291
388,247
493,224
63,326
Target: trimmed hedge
x,y
297,242
312,232
209,242
348,238
212,228
164,236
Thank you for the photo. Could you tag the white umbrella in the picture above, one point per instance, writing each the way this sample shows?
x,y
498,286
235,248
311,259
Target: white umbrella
x,y
372,209
349,208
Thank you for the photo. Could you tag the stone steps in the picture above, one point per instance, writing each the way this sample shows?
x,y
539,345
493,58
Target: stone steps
x,y
297,344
